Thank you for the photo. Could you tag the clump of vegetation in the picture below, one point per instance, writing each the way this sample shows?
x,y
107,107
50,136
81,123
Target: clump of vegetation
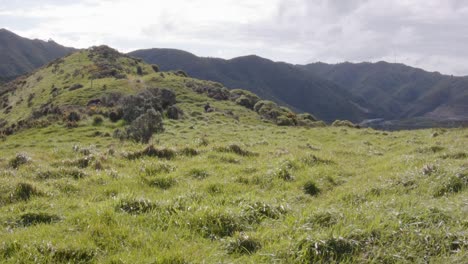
x,y
75,86
97,120
216,224
135,206
241,243
312,160
324,219
452,184
311,188
163,182
155,169
199,174
234,148
244,98
155,67
143,128
24,191
29,219
258,211
151,151
330,250
19,160
344,123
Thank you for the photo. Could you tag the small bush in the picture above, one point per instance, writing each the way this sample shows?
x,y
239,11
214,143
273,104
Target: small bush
x,y
311,188
181,73
97,120
174,112
151,151
73,117
241,243
29,219
161,182
187,151
331,250
198,174
75,87
453,184
155,169
344,123
139,70
235,149
115,116
258,211
217,224
18,160
24,191
155,67
142,129
133,206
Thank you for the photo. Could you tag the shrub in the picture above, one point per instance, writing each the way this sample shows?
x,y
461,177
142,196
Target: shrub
x,y
133,206
18,160
73,117
174,112
285,121
217,224
453,184
235,149
29,219
97,120
241,243
115,116
24,191
306,116
75,87
331,250
139,70
143,127
344,123
198,174
244,98
155,67
151,151
311,188
181,73
161,182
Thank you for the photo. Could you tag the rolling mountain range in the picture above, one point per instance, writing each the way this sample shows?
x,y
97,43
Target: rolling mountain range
x,y
355,92
375,90
20,55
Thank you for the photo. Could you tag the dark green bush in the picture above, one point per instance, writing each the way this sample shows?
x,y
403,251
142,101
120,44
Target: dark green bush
x,y
142,128
311,188
18,160
155,67
29,219
97,120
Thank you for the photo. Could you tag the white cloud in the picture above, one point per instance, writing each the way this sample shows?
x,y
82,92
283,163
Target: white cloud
x,y
424,33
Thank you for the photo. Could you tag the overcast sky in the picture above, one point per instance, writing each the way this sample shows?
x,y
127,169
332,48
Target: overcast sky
x,y
424,33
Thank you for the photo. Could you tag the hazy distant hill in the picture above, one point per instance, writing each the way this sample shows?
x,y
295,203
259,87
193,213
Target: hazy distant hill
x,y
282,82
20,55
402,91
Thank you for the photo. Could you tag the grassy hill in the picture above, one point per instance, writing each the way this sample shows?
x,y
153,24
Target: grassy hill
x,y
222,186
281,82
21,55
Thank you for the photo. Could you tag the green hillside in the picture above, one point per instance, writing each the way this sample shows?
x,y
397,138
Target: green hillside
x,y
21,55
244,182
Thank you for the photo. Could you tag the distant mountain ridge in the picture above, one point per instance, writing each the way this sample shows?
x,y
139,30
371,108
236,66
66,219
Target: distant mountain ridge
x,y
376,90
402,91
20,55
284,83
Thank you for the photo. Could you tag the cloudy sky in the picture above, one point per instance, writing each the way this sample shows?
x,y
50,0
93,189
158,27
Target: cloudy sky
x,y
432,34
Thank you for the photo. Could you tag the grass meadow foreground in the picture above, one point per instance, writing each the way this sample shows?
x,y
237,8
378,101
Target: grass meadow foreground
x,y
228,186
216,190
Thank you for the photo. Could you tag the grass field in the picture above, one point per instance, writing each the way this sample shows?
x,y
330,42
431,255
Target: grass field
x,y
224,187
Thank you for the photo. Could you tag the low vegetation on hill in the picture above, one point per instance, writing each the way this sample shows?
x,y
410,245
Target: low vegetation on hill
x,y
106,159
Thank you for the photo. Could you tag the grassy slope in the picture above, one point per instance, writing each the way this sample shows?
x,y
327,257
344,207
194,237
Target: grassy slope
x,y
375,204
